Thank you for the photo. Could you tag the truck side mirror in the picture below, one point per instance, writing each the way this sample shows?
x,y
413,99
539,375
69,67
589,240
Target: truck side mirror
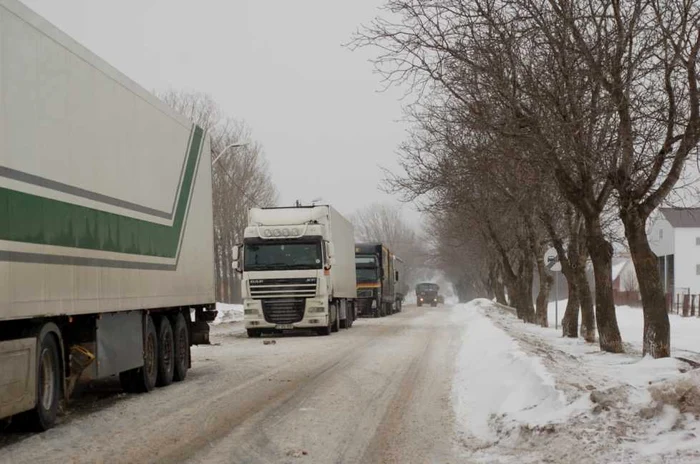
x,y
236,258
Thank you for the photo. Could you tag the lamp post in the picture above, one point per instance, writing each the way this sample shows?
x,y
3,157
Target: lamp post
x,y
226,148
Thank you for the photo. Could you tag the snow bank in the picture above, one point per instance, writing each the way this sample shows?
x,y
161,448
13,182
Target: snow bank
x,y
638,409
495,379
228,313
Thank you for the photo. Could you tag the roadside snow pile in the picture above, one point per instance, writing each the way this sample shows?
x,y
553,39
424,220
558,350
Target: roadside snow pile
x,y
228,313
499,387
520,388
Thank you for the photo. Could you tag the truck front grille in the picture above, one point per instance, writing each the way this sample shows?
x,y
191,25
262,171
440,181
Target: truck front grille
x,y
283,311
282,288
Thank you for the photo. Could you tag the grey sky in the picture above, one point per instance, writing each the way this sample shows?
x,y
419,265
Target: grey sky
x,y
279,65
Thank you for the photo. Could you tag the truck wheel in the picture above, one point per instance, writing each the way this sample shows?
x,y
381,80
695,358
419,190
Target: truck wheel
x,y
336,324
325,331
48,394
143,379
253,333
166,353
350,315
181,337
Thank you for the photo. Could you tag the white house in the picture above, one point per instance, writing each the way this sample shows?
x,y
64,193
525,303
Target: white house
x,y
675,239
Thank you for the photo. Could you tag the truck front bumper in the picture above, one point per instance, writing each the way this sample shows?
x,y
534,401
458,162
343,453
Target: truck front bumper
x,y
315,316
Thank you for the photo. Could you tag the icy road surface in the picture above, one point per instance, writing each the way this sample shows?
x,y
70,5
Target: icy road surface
x,y
377,393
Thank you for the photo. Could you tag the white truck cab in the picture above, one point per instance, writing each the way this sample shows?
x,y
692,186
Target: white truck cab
x,y
298,270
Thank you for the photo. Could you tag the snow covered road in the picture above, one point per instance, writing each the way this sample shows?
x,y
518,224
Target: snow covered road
x,y
379,392
462,384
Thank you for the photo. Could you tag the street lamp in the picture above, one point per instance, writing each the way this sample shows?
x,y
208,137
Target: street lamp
x,y
232,145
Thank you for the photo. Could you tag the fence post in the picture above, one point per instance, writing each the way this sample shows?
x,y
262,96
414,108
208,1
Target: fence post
x,y
686,304
692,305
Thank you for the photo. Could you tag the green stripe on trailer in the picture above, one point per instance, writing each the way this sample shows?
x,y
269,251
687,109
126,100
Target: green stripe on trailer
x,y
34,219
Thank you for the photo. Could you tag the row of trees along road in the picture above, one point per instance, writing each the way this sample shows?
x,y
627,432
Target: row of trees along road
x,y
240,180
534,121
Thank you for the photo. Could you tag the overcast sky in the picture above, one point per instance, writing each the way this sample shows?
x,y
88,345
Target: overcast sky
x,y
279,65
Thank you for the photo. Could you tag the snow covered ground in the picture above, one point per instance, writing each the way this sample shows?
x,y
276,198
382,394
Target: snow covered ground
x,y
228,313
685,331
522,393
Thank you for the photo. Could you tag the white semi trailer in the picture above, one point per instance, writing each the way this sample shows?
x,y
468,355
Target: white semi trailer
x,y
106,230
298,268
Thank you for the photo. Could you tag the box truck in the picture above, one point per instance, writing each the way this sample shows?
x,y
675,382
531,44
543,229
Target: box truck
x,y
298,266
106,229
378,280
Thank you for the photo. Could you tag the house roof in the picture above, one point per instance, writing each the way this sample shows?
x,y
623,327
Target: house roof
x,y
682,217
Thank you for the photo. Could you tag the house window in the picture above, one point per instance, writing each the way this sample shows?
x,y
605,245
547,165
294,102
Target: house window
x,y
661,233
697,241
697,269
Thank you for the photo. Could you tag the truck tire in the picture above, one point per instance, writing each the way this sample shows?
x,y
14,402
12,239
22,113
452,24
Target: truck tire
x,y
48,393
350,315
181,337
143,379
336,323
253,333
166,352
325,331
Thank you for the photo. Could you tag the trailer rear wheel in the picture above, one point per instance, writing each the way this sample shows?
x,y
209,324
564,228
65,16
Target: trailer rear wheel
x,y
49,382
181,336
166,352
143,379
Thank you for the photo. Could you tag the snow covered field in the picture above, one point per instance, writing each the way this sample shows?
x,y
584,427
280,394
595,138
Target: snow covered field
x,y
522,393
685,331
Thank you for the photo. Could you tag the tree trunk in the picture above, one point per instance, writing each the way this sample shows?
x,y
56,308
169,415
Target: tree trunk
x,y
525,286
499,291
569,324
657,332
586,301
543,293
218,271
227,274
601,253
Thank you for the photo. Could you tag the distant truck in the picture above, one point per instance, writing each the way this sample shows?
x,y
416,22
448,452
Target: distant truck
x,y
379,287
106,228
298,270
427,293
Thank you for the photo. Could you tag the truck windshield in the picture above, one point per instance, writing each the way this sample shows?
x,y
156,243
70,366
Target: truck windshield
x,y
427,288
366,275
277,255
364,260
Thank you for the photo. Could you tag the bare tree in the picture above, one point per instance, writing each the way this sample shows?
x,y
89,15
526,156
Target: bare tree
x,y
241,179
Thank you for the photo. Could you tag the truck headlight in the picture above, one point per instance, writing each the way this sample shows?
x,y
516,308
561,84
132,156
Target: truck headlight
x,y
250,312
317,309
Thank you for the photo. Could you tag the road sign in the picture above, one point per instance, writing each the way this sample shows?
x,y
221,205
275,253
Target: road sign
x,y
551,258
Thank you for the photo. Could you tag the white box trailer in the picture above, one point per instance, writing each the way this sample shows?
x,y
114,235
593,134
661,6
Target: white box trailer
x,y
298,267
106,229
